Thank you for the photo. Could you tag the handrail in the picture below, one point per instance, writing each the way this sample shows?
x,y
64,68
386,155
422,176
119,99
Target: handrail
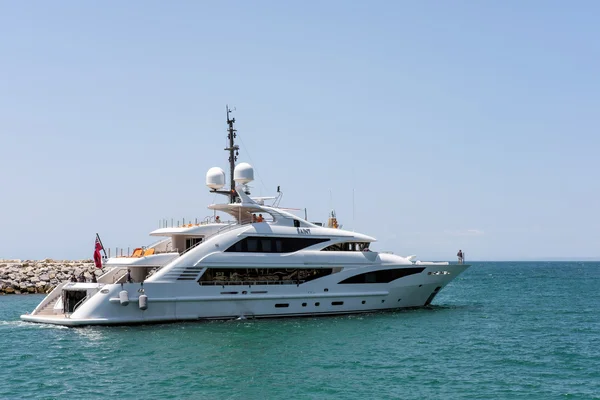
x,y
120,277
53,295
221,230
78,304
224,229
189,248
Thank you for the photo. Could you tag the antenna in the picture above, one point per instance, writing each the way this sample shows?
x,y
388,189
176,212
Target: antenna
x,y
233,152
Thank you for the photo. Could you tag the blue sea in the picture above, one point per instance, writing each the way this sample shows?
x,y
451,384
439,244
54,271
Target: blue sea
x,y
512,330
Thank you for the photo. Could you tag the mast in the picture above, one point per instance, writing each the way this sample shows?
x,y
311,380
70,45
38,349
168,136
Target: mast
x,y
233,153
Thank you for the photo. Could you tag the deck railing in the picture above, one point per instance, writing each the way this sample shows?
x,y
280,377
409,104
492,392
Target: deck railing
x,y
250,283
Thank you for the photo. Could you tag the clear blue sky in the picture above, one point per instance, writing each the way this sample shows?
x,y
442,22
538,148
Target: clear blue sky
x,y
458,124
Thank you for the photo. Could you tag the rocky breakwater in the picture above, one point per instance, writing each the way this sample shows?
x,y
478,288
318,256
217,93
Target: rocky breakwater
x,y
22,277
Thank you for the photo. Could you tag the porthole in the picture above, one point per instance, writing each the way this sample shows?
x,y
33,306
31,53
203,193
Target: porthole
x,y
363,302
303,304
327,290
399,300
337,303
282,305
317,304
383,301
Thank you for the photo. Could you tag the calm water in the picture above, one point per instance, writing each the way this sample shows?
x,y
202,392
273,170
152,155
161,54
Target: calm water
x,y
502,331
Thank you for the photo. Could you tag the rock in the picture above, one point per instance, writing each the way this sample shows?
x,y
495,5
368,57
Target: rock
x,y
34,279
9,290
51,275
44,277
31,289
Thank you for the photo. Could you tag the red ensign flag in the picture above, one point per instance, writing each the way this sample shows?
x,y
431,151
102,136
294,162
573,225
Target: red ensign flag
x,y
97,256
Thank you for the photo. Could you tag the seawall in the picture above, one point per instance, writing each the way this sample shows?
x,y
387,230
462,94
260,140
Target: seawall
x,y
31,276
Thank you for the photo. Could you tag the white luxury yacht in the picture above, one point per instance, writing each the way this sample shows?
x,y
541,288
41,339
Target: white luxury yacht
x,y
272,266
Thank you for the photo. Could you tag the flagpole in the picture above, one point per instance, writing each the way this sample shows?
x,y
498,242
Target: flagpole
x,y
98,237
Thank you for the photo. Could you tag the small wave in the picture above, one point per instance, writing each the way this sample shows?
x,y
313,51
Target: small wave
x,y
24,324
90,333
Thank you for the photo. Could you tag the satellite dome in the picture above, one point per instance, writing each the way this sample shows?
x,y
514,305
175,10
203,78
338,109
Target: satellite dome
x,y
243,173
215,178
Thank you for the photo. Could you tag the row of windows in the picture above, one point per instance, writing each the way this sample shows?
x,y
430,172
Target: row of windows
x,y
257,244
261,276
383,276
317,304
348,246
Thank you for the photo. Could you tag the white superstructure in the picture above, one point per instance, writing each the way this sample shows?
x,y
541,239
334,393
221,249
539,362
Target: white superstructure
x,y
280,266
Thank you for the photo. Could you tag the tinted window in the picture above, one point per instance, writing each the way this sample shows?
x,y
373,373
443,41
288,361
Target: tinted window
x,y
255,244
252,244
238,246
348,246
266,245
383,276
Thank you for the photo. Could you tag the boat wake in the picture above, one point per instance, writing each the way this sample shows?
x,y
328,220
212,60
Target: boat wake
x,y
24,324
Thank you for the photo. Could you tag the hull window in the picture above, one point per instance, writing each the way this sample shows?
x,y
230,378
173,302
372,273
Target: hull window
x,y
382,276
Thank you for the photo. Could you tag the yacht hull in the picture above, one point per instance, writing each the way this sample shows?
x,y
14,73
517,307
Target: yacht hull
x,y
193,302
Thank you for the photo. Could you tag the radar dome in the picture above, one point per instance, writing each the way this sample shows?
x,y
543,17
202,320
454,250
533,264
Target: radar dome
x,y
243,173
215,178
